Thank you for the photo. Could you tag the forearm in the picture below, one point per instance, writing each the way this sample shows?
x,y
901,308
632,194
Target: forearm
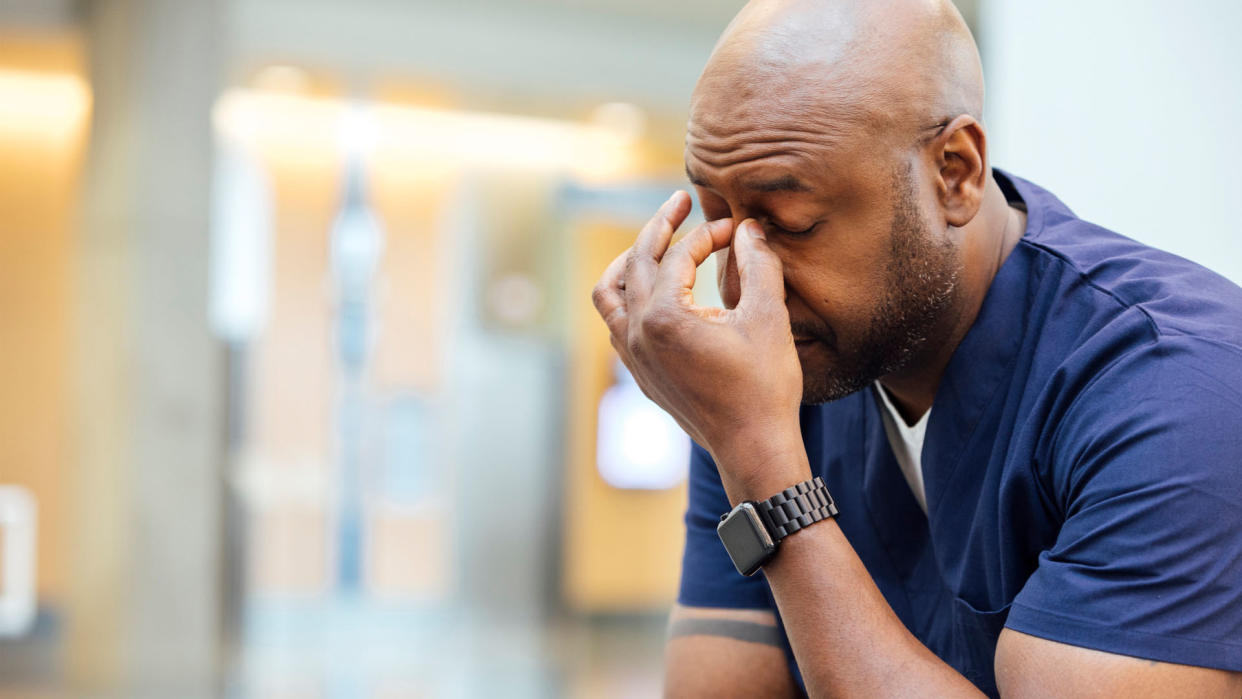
x,y
847,640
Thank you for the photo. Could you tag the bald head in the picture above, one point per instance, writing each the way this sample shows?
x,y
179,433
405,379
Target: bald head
x,y
893,65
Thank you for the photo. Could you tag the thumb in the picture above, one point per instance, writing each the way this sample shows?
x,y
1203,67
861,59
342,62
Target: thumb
x,y
759,270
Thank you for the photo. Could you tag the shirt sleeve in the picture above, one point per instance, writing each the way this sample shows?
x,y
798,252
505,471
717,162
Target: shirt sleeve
x,y
708,578
1147,472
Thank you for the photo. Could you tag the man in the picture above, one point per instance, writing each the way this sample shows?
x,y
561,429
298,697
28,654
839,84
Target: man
x,y
1031,427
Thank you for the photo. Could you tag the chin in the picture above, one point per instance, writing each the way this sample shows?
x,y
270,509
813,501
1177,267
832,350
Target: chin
x,y
827,390
828,375
824,381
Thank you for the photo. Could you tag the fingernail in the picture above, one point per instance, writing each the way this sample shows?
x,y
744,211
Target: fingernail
x,y
754,230
670,199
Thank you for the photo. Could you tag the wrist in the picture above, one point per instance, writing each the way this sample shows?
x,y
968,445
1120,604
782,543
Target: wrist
x,y
757,466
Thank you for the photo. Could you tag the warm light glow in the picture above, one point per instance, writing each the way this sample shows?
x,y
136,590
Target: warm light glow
x,y
472,140
282,79
622,118
42,105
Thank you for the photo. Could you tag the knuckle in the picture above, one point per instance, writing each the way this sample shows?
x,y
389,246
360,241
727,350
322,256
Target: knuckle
x,y
634,346
631,258
598,295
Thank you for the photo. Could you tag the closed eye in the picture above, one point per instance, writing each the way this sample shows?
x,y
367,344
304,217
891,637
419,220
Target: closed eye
x,y
775,229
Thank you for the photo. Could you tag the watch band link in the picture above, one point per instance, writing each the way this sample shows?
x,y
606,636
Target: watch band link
x,y
796,507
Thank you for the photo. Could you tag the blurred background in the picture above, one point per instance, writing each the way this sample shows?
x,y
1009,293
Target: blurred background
x,y
301,389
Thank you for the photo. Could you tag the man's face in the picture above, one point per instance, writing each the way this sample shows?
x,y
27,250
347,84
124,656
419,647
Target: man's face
x,y
867,276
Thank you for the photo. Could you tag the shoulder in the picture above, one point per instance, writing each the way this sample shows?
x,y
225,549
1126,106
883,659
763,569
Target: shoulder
x,y
1132,350
1145,472
1170,378
1141,339
1164,418
1112,272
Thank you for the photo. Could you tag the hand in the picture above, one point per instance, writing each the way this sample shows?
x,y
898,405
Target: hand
x,y
730,378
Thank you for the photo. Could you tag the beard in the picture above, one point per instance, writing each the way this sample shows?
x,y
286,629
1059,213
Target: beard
x,y
922,277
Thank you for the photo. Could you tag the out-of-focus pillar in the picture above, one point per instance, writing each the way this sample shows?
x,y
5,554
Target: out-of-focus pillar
x,y
145,603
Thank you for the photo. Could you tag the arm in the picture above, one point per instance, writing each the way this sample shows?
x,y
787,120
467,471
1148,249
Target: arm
x,y
725,653
847,640
1028,666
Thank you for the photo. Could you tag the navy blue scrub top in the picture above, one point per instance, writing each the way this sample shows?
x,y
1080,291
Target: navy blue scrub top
x,y
1083,464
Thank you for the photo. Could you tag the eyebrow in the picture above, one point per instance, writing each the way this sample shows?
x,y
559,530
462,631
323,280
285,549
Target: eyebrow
x,y
695,179
784,183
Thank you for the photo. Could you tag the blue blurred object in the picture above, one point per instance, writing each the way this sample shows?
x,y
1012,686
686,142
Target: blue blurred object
x,y
407,449
356,246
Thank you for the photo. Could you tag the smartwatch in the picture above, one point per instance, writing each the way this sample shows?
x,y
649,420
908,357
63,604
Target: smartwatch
x,y
752,531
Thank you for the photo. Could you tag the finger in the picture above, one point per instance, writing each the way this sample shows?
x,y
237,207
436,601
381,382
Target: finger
x,y
676,275
650,246
726,278
609,296
760,276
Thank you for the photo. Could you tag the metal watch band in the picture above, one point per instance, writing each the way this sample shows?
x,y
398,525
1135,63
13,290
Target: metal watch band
x,y
796,507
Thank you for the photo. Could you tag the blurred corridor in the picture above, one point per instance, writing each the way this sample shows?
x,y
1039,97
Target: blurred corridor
x,y
300,350
304,395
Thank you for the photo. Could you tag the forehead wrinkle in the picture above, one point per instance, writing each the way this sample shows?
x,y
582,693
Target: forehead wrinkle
x,y
786,173
812,147
744,141
717,132
780,183
741,156
721,121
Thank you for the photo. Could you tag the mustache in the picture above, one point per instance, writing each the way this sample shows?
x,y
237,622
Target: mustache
x,y
819,331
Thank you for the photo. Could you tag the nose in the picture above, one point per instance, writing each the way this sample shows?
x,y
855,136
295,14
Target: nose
x,y
729,284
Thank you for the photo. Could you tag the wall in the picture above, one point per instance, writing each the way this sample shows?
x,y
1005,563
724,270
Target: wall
x,y
1128,111
40,163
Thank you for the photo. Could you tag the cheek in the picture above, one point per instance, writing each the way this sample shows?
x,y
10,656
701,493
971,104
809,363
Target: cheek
x,y
845,299
842,270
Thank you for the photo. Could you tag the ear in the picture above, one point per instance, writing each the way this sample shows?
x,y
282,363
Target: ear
x,y
960,152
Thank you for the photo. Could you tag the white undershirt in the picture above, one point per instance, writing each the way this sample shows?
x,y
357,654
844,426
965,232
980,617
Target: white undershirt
x,y
907,443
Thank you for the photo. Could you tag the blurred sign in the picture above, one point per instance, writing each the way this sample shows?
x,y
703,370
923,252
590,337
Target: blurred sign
x,y
17,567
639,445
241,244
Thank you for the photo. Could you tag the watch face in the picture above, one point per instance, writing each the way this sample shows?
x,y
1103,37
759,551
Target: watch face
x,y
745,538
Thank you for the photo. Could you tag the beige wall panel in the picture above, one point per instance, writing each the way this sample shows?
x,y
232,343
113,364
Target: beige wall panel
x,y
622,547
40,164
